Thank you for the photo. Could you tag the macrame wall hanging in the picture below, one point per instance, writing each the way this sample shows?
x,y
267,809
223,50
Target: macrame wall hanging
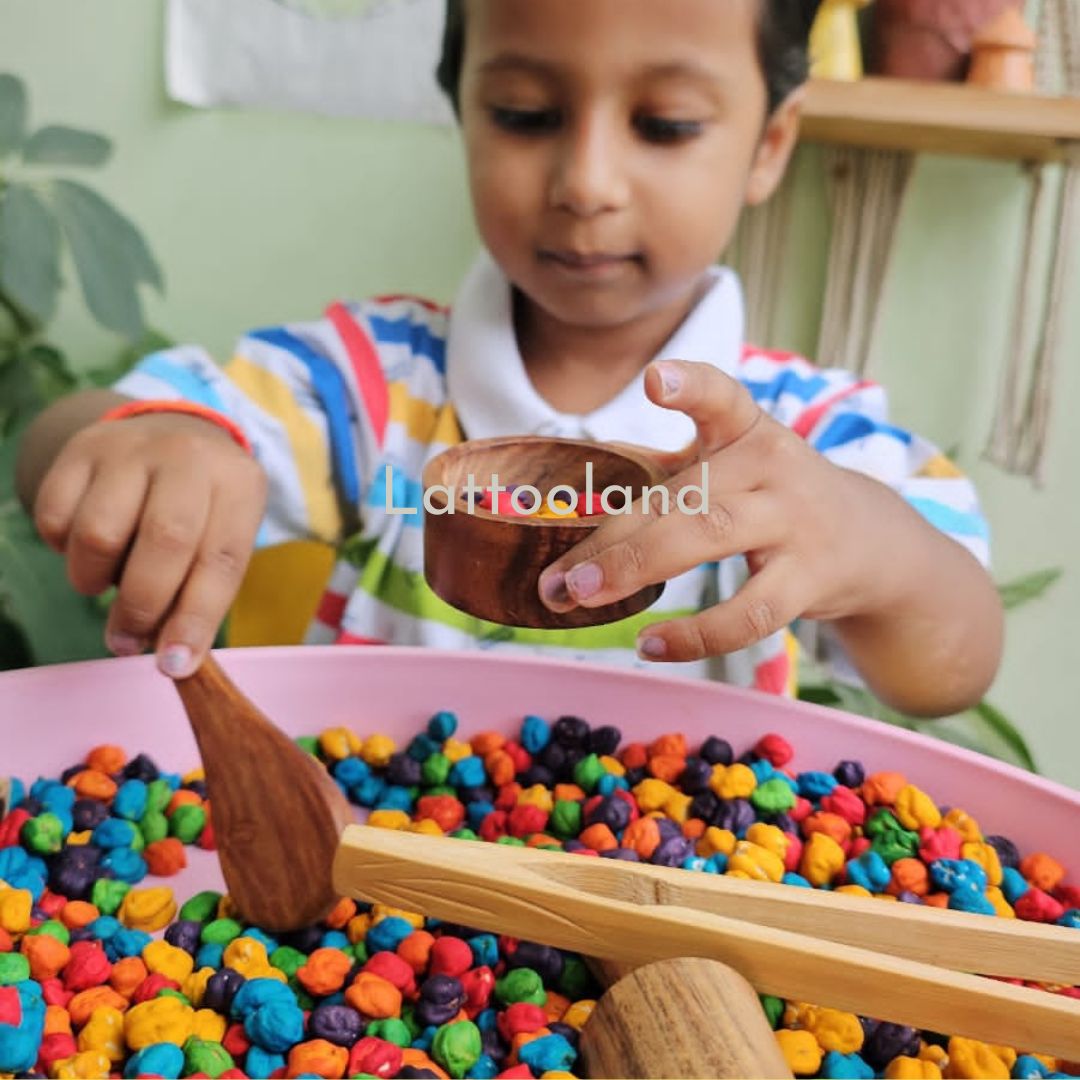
x,y
758,252
1021,425
865,191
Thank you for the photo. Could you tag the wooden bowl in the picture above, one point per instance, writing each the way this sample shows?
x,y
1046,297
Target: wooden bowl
x,y
489,564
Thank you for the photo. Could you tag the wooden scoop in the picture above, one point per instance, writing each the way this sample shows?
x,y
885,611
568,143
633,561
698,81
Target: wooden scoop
x,y
277,813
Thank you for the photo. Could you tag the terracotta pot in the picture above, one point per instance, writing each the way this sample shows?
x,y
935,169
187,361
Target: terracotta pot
x,y
927,39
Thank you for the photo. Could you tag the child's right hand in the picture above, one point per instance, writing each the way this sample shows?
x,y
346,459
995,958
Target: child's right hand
x,y
167,508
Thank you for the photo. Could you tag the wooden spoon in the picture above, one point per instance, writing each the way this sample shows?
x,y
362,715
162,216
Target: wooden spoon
x,y
277,813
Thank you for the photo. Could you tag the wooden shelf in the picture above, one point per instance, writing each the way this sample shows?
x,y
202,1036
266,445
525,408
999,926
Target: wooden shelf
x,y
940,118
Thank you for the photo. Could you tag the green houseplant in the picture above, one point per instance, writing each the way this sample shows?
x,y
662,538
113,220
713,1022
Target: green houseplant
x,y
49,222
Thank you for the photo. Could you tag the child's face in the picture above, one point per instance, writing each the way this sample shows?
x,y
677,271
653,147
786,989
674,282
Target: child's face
x,y
612,144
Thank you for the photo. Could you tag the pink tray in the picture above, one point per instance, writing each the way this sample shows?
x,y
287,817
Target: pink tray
x,y
52,716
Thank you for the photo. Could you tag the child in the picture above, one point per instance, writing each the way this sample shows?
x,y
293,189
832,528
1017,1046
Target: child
x,y
611,145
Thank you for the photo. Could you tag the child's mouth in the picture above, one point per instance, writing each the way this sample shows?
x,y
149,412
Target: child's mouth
x,y
589,264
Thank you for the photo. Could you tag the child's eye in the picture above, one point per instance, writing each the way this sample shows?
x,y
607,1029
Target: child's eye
x,y
659,129
526,121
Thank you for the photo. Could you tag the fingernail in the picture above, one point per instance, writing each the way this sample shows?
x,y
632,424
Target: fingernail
x,y
124,644
584,580
553,589
670,379
176,661
652,648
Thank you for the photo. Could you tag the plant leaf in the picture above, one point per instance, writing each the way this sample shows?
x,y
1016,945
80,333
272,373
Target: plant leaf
x,y
56,622
13,111
1017,593
111,257
60,145
29,251
1003,728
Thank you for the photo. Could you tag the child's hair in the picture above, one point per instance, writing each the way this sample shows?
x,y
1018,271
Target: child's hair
x,y
783,37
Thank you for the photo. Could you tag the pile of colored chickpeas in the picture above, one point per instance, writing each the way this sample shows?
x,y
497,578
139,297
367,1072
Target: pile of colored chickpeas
x,y
90,986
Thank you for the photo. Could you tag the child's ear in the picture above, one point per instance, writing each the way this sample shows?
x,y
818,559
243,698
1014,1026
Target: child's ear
x,y
775,148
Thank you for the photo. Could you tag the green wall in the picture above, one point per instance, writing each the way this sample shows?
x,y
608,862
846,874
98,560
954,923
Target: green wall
x,y
261,217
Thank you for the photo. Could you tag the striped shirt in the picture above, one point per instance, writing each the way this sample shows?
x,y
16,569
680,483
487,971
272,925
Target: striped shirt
x,y
344,412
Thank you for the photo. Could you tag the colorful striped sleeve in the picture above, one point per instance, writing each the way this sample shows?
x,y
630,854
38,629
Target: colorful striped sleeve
x,y
847,420
293,391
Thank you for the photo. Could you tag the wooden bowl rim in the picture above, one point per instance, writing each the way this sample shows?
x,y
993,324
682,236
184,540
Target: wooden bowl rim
x,y
589,521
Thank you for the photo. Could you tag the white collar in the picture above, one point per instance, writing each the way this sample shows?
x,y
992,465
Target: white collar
x,y
493,396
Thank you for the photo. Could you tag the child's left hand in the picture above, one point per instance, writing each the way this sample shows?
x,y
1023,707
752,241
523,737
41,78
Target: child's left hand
x,y
821,541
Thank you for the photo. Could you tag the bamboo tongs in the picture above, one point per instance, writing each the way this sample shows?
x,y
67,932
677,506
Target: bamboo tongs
x,y
898,962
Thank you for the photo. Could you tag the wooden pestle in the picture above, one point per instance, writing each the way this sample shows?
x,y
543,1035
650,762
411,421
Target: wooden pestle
x,y
688,1017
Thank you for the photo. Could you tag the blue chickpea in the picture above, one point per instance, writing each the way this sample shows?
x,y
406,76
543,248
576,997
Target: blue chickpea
x,y
477,811
126,865
395,798
870,871
387,934
350,771
763,770
53,795
160,1059
484,1068
210,955
260,1062
485,950
816,785
791,878
1013,884
535,734
421,747
487,1020
967,897
426,1038
174,780
23,871
369,791
257,993
113,833
20,1041
845,1067
130,800
17,792
549,1053
126,942
694,862
950,874
468,772
1070,918
442,726
718,863
104,927
1027,1067
609,783
334,939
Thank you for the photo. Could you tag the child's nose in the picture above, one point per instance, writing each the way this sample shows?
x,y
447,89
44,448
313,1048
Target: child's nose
x,y
588,176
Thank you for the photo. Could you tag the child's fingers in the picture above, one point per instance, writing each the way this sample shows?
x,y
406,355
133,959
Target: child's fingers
x,y
204,601
103,525
169,535
58,497
660,548
769,601
720,406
